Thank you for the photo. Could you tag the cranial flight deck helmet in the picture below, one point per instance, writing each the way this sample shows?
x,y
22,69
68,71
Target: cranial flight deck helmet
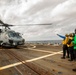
x,y
71,34
66,35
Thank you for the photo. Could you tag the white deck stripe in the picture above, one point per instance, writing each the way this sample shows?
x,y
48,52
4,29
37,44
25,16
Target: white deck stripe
x,y
39,50
41,57
34,59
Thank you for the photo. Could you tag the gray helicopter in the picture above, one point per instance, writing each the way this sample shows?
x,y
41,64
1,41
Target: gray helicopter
x,y
8,37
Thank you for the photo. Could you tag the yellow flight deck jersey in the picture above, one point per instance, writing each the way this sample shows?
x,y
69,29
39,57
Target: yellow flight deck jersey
x,y
65,41
71,44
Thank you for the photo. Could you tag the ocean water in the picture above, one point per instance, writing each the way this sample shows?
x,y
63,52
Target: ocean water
x,y
46,41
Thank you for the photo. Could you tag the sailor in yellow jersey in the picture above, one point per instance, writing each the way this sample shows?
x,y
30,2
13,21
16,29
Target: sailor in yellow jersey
x,y
70,47
65,48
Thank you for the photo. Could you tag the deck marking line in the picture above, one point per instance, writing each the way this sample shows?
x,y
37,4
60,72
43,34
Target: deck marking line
x,y
39,50
18,70
41,57
34,59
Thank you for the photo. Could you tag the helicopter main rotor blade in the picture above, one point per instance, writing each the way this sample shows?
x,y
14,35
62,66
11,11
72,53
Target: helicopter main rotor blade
x,y
40,24
7,25
1,22
4,24
34,24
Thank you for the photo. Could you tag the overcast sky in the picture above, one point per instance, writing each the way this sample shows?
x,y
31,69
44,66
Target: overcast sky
x,y
61,13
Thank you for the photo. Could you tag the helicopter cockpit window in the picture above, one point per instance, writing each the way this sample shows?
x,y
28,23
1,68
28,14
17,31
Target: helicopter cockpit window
x,y
14,34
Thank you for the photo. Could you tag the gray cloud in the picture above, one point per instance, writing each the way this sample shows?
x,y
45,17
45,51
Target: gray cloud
x,y
59,12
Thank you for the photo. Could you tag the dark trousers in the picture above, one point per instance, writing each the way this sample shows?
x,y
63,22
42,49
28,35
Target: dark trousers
x,y
65,50
75,54
71,51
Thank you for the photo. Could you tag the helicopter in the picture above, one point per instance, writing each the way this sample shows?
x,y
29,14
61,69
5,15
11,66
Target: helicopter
x,y
8,37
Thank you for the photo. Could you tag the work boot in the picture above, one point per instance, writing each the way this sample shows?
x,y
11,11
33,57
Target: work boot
x,y
67,56
62,57
74,59
70,60
74,69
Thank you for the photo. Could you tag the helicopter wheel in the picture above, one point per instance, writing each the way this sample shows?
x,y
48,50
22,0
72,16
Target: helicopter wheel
x,y
3,45
0,45
16,47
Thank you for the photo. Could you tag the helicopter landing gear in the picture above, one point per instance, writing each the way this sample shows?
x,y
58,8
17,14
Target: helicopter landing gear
x,y
3,44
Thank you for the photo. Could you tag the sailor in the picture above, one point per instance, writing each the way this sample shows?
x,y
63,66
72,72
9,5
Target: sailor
x,y
65,48
74,42
70,47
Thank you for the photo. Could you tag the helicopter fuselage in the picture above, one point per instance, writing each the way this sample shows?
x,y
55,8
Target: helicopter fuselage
x,y
10,38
